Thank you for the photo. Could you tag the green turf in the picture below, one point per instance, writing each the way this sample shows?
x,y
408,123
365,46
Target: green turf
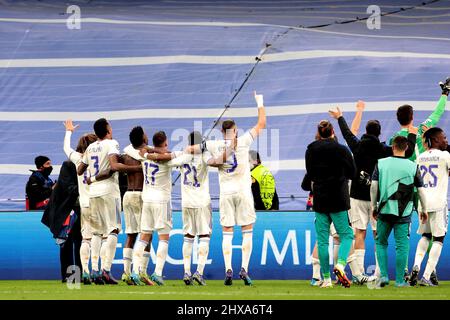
x,y
215,290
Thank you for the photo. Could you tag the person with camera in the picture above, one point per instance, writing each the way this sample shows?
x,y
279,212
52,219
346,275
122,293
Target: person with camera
x,y
366,152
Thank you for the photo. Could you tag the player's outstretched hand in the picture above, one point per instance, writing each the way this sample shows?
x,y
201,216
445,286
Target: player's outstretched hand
x,y
68,124
360,105
445,86
259,99
336,114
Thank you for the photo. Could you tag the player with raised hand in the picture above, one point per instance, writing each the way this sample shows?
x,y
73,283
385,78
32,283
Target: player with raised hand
x,y
434,165
75,157
236,199
101,156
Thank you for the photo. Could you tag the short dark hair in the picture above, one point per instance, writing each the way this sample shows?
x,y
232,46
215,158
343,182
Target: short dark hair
x,y
405,114
195,137
373,127
137,136
400,143
431,134
159,138
228,124
85,141
101,128
254,155
325,129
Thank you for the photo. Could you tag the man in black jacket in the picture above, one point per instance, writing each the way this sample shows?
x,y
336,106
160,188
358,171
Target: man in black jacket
x,y
330,165
39,186
63,200
366,152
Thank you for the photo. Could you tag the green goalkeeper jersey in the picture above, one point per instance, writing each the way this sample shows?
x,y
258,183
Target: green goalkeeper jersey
x,y
431,121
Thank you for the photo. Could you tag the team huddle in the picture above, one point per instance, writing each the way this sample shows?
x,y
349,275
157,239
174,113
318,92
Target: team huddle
x,y
387,183
147,202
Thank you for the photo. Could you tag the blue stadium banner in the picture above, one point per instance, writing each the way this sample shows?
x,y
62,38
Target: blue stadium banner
x,y
282,248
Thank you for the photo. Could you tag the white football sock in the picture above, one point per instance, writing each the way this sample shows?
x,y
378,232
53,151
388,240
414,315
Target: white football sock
x,y
127,259
422,247
360,253
187,254
335,253
377,267
316,268
354,266
433,259
138,254
96,243
111,245
145,261
85,252
161,256
227,248
203,250
247,245
103,254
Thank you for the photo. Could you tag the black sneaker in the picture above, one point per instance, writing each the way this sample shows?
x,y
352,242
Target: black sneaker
x,y
97,278
108,278
406,275
229,278
244,276
414,276
433,278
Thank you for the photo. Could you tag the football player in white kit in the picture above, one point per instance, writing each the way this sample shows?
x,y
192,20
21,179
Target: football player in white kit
x,y
434,165
196,208
105,206
75,157
236,199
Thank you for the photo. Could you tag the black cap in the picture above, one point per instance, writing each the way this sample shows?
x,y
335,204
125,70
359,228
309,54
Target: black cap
x,y
40,160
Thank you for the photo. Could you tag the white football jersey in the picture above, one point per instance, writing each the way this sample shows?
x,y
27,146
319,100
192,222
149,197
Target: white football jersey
x,y
434,167
75,158
234,175
194,179
97,159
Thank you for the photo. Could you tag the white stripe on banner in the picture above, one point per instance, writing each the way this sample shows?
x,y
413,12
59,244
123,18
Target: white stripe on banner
x,y
187,113
24,169
197,59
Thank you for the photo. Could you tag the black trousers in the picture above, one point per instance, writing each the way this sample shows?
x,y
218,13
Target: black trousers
x,y
69,253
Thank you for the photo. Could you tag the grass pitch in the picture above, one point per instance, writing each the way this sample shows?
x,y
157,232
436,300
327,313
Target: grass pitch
x,y
215,290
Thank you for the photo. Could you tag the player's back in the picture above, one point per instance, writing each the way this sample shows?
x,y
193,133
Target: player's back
x,y
135,179
234,174
434,166
195,182
97,159
157,181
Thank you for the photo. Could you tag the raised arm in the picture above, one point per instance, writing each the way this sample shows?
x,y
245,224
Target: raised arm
x,y
70,128
261,124
349,137
356,123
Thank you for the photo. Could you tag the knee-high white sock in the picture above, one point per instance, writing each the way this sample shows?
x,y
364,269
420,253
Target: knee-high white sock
x,y
354,266
110,252
161,256
203,250
377,267
127,260
433,259
360,253
85,252
247,246
422,247
145,261
96,244
103,254
227,249
335,253
138,253
187,254
316,268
